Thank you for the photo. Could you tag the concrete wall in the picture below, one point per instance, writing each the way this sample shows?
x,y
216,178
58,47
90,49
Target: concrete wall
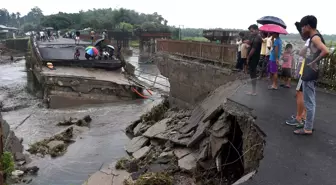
x,y
191,81
20,44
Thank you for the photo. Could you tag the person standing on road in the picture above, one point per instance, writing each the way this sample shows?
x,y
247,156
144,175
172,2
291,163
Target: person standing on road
x,y
273,63
239,43
318,51
92,36
254,56
77,39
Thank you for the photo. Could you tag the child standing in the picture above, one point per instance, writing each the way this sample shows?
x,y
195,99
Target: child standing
x,y
243,54
287,65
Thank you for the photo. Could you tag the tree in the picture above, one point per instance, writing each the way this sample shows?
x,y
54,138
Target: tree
x,y
4,16
125,26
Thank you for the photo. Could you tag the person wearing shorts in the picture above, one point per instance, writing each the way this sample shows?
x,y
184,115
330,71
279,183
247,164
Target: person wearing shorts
x,y
274,61
299,119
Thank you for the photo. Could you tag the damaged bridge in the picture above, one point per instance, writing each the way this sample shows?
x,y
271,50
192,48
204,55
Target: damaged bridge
x,y
77,82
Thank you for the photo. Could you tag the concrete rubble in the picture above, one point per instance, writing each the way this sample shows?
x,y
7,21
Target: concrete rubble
x,y
22,160
219,135
57,144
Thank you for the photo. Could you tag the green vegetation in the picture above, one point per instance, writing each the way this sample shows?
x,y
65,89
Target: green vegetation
x,y
202,39
121,163
154,179
8,163
97,19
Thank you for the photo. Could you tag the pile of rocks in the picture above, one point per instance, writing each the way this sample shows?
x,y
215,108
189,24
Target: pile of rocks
x,y
57,144
217,141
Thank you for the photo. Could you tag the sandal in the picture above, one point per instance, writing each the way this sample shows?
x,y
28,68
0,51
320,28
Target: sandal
x,y
302,131
299,126
272,88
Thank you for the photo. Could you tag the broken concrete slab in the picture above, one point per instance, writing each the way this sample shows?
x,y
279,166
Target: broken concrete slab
x,y
136,130
157,128
136,143
166,154
216,144
119,176
196,117
187,162
141,152
212,104
245,178
181,152
200,133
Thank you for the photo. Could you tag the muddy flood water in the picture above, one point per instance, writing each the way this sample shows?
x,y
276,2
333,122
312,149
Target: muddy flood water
x,y
102,144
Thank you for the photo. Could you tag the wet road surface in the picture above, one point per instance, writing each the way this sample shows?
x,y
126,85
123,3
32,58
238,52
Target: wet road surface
x,y
291,159
61,49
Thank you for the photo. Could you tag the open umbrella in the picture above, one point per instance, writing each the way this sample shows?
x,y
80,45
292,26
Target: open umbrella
x,y
92,51
273,28
89,47
272,20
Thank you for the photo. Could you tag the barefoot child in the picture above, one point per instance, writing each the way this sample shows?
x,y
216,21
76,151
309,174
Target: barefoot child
x,y
287,65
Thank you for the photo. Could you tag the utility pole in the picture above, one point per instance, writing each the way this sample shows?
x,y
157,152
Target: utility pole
x,y
180,31
1,152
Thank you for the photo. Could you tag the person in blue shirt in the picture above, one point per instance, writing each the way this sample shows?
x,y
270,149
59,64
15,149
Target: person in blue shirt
x,y
274,60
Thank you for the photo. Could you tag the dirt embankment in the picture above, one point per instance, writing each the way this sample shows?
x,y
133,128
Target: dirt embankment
x,y
217,141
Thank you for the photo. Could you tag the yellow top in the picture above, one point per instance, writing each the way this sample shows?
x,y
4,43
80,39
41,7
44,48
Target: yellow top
x,y
302,64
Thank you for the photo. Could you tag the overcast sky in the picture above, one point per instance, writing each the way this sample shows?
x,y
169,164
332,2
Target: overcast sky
x,y
197,13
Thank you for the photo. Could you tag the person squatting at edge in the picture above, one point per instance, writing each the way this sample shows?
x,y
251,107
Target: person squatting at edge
x,y
254,56
318,50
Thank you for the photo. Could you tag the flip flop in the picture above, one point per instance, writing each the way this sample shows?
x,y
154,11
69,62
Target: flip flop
x,y
302,132
272,88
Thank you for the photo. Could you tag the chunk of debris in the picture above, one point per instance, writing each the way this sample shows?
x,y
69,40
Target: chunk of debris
x,y
84,122
56,145
141,152
136,143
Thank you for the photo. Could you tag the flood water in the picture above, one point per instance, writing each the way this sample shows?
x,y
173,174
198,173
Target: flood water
x,y
102,144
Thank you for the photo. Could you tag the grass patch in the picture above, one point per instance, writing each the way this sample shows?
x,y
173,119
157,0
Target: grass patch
x,y
154,179
121,164
8,163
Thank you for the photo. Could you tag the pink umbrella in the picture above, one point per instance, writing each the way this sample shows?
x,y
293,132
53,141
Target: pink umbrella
x,y
273,28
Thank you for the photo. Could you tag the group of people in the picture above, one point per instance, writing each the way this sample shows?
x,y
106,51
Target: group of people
x,y
264,50
48,35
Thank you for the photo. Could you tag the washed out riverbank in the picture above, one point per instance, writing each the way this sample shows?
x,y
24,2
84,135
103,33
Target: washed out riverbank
x,y
102,143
